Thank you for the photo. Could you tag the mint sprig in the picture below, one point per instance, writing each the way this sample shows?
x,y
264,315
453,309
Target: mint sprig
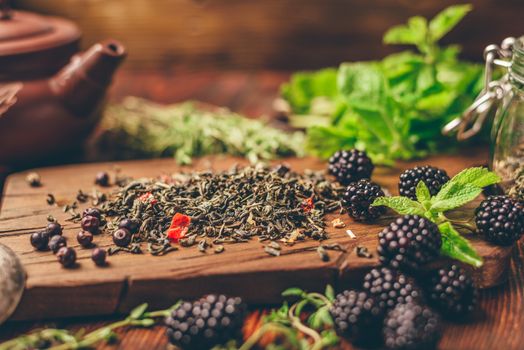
x,y
461,189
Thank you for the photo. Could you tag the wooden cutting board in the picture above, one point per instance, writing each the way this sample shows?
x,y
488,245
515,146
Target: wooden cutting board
x,y
242,269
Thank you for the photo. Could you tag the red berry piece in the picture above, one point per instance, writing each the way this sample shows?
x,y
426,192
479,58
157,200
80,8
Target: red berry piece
x,y
85,238
99,256
122,237
66,256
91,224
39,240
57,242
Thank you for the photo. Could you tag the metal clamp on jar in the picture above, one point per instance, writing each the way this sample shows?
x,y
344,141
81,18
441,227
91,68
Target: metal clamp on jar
x,y
506,95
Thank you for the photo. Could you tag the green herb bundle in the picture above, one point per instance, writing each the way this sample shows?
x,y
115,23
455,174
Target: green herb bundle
x,y
394,108
460,190
139,128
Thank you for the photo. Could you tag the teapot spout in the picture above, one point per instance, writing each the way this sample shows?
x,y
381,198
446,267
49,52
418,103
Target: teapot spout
x,y
81,85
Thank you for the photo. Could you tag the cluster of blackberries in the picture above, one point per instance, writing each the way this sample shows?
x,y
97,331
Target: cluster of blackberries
x,y
500,219
434,178
353,169
51,238
392,310
207,322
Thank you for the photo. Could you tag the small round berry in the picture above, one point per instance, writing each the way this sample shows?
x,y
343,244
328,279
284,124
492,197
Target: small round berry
x,y
122,237
91,224
92,212
85,238
57,242
500,219
39,240
358,317
131,225
451,291
53,229
102,179
66,256
411,326
99,256
391,287
358,199
434,178
350,166
409,242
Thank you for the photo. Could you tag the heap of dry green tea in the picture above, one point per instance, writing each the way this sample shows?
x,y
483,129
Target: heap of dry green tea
x,y
227,207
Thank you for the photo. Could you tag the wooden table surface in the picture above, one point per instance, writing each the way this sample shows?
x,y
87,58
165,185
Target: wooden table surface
x,y
498,323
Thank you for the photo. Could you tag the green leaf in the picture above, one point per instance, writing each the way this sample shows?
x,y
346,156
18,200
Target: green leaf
x,y
457,247
323,141
402,205
443,22
330,292
414,32
293,292
362,83
138,311
458,195
422,192
478,176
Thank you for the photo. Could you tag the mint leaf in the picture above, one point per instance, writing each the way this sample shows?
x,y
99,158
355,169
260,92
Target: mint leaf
x,y
478,176
457,247
443,22
414,32
422,192
293,292
458,195
402,205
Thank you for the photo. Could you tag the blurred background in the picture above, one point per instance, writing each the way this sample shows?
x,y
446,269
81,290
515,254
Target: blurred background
x,y
268,34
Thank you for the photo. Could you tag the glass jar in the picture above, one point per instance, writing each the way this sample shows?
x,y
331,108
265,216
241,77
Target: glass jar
x,y
507,131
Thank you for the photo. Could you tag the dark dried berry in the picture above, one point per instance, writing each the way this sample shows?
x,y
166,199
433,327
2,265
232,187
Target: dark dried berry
x,y
434,178
131,225
33,179
452,292
102,179
91,224
350,166
92,212
358,199
391,287
39,240
500,219
85,238
122,237
53,229
282,169
205,323
56,242
99,256
411,326
358,317
409,242
66,256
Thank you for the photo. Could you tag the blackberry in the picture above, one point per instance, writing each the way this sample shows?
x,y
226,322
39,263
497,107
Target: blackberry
x,y
358,317
350,166
433,177
411,326
451,291
358,198
391,287
409,242
210,321
500,219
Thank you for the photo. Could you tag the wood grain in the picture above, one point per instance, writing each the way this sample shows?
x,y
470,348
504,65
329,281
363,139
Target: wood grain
x,y
241,270
276,34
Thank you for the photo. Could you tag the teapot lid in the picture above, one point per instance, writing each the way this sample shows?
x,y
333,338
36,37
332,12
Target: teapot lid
x,y
24,32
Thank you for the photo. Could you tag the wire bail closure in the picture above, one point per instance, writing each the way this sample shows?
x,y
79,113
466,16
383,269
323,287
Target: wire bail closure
x,y
471,121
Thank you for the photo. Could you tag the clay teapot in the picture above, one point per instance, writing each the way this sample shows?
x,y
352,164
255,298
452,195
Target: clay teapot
x,y
50,95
